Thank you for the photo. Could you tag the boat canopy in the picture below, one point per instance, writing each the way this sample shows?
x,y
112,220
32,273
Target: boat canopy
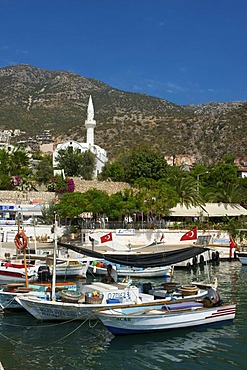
x,y
141,259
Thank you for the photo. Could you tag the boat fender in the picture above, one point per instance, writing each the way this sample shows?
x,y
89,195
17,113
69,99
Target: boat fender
x,y
188,266
201,260
194,261
21,240
213,256
217,256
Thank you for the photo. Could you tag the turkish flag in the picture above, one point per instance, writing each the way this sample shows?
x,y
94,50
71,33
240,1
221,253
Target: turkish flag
x,y
232,246
106,238
190,235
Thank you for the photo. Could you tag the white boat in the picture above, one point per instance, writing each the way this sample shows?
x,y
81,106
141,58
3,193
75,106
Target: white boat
x,y
41,290
242,256
70,267
100,268
15,272
157,318
98,295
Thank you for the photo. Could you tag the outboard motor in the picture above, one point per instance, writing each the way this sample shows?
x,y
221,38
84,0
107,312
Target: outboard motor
x,y
147,287
44,274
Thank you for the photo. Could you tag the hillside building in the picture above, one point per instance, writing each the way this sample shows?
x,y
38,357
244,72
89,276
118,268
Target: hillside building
x,y
90,124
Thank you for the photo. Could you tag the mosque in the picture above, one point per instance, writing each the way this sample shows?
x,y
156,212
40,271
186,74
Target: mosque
x,y
90,124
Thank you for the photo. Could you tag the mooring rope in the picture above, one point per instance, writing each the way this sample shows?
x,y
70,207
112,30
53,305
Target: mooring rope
x,y
49,325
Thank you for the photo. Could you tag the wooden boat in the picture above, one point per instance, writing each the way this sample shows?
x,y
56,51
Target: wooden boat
x,y
70,267
99,268
15,272
97,295
157,318
41,290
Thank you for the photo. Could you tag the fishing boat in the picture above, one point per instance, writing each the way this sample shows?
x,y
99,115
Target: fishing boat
x,y
242,256
67,267
100,267
98,295
40,290
157,318
17,272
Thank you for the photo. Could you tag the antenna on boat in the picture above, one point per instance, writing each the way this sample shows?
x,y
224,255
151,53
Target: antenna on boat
x,y
53,286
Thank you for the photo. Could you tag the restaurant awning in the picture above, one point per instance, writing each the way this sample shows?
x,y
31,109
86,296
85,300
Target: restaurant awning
x,y
209,210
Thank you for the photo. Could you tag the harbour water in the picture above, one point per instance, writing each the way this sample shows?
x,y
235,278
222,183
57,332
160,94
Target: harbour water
x,y
26,343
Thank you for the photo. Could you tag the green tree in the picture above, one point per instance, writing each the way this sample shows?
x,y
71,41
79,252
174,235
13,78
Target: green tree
x,y
230,193
76,163
4,162
113,171
19,163
44,170
144,163
71,205
186,189
89,164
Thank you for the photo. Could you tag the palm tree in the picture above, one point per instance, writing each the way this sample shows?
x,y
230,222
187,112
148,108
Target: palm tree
x,y
186,189
230,193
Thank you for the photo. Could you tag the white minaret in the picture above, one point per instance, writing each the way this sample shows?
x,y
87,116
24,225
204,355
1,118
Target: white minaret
x,y
90,123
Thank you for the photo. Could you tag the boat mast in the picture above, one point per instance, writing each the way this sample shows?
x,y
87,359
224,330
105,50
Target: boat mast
x,y
53,286
24,253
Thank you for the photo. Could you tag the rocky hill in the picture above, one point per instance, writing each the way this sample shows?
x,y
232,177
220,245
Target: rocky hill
x,y
34,99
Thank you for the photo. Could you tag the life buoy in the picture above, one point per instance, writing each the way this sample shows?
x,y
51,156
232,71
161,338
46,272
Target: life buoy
x,y
21,240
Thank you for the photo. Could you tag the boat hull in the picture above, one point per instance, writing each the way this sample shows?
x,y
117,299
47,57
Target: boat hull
x,y
125,324
15,273
63,311
8,295
242,256
122,271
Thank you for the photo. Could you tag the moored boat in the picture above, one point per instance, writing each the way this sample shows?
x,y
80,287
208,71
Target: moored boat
x,y
70,267
98,295
157,318
16,272
100,267
242,256
41,290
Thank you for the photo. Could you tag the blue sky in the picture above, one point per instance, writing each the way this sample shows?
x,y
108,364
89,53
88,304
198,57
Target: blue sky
x,y
183,51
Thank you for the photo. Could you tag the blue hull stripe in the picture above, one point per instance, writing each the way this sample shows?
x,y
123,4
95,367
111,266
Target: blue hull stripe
x,y
120,331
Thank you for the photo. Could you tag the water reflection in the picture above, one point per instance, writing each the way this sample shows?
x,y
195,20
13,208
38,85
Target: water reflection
x,y
175,347
27,343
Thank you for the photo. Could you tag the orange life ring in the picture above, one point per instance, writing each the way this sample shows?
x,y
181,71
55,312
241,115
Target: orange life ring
x,y
21,240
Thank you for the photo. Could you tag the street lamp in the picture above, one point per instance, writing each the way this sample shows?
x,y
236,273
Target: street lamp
x,y
198,179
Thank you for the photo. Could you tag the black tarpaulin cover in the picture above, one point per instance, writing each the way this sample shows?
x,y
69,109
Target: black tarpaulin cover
x,y
141,259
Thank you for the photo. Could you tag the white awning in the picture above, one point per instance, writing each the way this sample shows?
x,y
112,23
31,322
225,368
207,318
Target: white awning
x,y
182,211
209,210
225,209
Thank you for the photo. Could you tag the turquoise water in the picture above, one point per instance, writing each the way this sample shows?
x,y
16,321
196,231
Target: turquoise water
x,y
28,344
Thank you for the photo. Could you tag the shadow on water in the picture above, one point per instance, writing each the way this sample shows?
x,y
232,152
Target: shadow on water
x,y
175,348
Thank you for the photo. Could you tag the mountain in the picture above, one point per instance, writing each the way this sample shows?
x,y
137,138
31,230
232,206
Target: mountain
x,y
34,99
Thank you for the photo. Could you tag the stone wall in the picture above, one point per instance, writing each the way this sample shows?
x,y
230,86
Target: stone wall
x,y
109,186
31,197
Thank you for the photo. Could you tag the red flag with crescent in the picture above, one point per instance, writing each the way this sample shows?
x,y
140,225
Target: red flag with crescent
x,y
106,238
232,246
190,235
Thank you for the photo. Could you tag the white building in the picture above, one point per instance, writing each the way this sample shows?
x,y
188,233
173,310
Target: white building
x,y
90,123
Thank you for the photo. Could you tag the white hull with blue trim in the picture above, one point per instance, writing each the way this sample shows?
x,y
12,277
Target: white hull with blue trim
x,y
138,320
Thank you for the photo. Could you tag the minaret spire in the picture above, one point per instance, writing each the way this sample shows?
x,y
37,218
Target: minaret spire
x,y
90,123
